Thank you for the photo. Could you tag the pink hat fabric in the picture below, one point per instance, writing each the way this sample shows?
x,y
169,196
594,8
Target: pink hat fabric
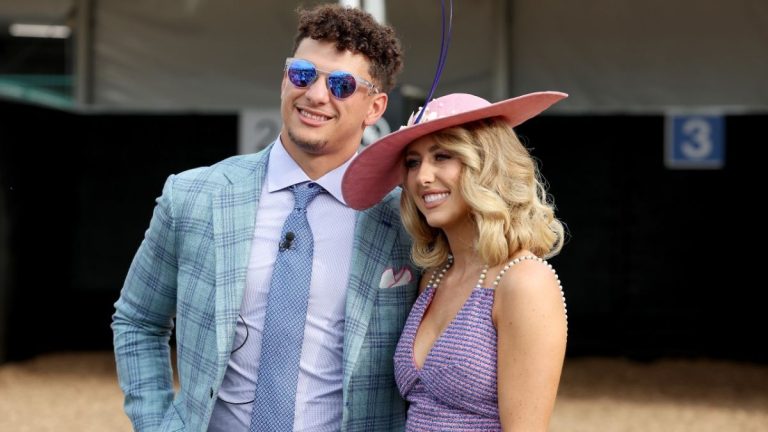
x,y
378,168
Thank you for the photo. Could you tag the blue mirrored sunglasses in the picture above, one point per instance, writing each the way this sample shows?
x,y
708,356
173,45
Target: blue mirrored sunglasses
x,y
302,73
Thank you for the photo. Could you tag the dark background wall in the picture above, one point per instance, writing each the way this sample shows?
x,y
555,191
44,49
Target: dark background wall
x,y
80,191
659,262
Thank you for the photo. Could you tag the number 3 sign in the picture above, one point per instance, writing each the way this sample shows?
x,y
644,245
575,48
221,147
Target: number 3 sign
x,y
694,141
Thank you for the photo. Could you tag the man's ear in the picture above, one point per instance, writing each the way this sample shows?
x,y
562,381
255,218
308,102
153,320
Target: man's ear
x,y
376,109
283,83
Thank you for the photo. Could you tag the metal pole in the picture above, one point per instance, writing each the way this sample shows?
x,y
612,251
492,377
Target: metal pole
x,y
377,8
84,53
501,75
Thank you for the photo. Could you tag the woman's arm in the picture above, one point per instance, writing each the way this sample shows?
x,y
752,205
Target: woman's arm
x,y
529,315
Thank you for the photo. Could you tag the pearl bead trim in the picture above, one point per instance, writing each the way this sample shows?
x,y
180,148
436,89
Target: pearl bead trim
x,y
434,281
437,276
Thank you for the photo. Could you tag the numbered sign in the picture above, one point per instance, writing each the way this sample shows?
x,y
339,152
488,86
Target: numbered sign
x,y
372,133
695,141
258,129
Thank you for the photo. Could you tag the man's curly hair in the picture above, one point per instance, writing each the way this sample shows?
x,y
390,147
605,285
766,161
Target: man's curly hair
x,y
357,31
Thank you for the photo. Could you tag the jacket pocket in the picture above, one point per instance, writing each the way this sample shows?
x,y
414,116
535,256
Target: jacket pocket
x,y
392,307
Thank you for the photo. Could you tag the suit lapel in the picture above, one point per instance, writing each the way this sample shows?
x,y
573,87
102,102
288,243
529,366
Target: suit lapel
x,y
234,217
374,239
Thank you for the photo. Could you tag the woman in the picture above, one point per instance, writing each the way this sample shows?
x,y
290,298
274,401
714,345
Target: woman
x,y
484,344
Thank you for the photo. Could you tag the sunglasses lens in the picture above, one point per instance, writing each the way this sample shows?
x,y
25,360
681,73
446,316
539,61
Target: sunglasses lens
x,y
341,84
302,73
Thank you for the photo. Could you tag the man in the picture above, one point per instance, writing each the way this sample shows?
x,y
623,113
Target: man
x,y
214,259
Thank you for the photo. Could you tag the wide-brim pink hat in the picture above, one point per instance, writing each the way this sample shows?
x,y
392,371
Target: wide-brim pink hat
x,y
378,168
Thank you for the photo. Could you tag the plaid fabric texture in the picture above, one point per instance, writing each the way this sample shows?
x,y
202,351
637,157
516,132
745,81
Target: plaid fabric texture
x,y
190,270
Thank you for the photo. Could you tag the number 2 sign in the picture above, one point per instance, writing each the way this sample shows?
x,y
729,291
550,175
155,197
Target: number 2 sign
x,y
694,141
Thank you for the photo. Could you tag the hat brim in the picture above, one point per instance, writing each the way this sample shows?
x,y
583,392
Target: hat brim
x,y
378,168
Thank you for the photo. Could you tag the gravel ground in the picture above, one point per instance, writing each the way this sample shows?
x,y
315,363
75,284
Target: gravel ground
x,y
79,392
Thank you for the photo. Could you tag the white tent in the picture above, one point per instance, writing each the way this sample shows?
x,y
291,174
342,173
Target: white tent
x,y
610,55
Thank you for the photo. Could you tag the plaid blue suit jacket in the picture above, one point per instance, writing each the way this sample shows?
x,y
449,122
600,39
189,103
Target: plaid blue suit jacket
x,y
191,268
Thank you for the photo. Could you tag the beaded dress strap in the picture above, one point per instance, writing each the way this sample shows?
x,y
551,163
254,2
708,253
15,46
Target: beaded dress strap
x,y
517,260
534,258
437,274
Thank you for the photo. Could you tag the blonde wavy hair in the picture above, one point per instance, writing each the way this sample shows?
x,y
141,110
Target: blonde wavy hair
x,y
501,184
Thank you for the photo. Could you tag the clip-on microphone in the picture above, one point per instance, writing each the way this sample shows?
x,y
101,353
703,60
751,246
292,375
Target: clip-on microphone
x,y
287,241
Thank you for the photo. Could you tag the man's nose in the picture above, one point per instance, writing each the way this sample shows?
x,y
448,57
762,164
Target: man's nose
x,y
318,90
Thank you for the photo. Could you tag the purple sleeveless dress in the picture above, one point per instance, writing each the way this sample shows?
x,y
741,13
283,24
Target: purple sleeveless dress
x,y
456,388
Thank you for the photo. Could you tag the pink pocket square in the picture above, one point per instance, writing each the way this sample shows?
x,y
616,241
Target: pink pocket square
x,y
390,279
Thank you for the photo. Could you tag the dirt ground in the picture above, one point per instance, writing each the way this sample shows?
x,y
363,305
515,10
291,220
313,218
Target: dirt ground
x,y
79,392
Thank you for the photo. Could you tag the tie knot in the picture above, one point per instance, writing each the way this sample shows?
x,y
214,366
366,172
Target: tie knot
x,y
304,193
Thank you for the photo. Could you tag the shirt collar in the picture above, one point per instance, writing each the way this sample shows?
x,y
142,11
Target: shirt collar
x,y
283,172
